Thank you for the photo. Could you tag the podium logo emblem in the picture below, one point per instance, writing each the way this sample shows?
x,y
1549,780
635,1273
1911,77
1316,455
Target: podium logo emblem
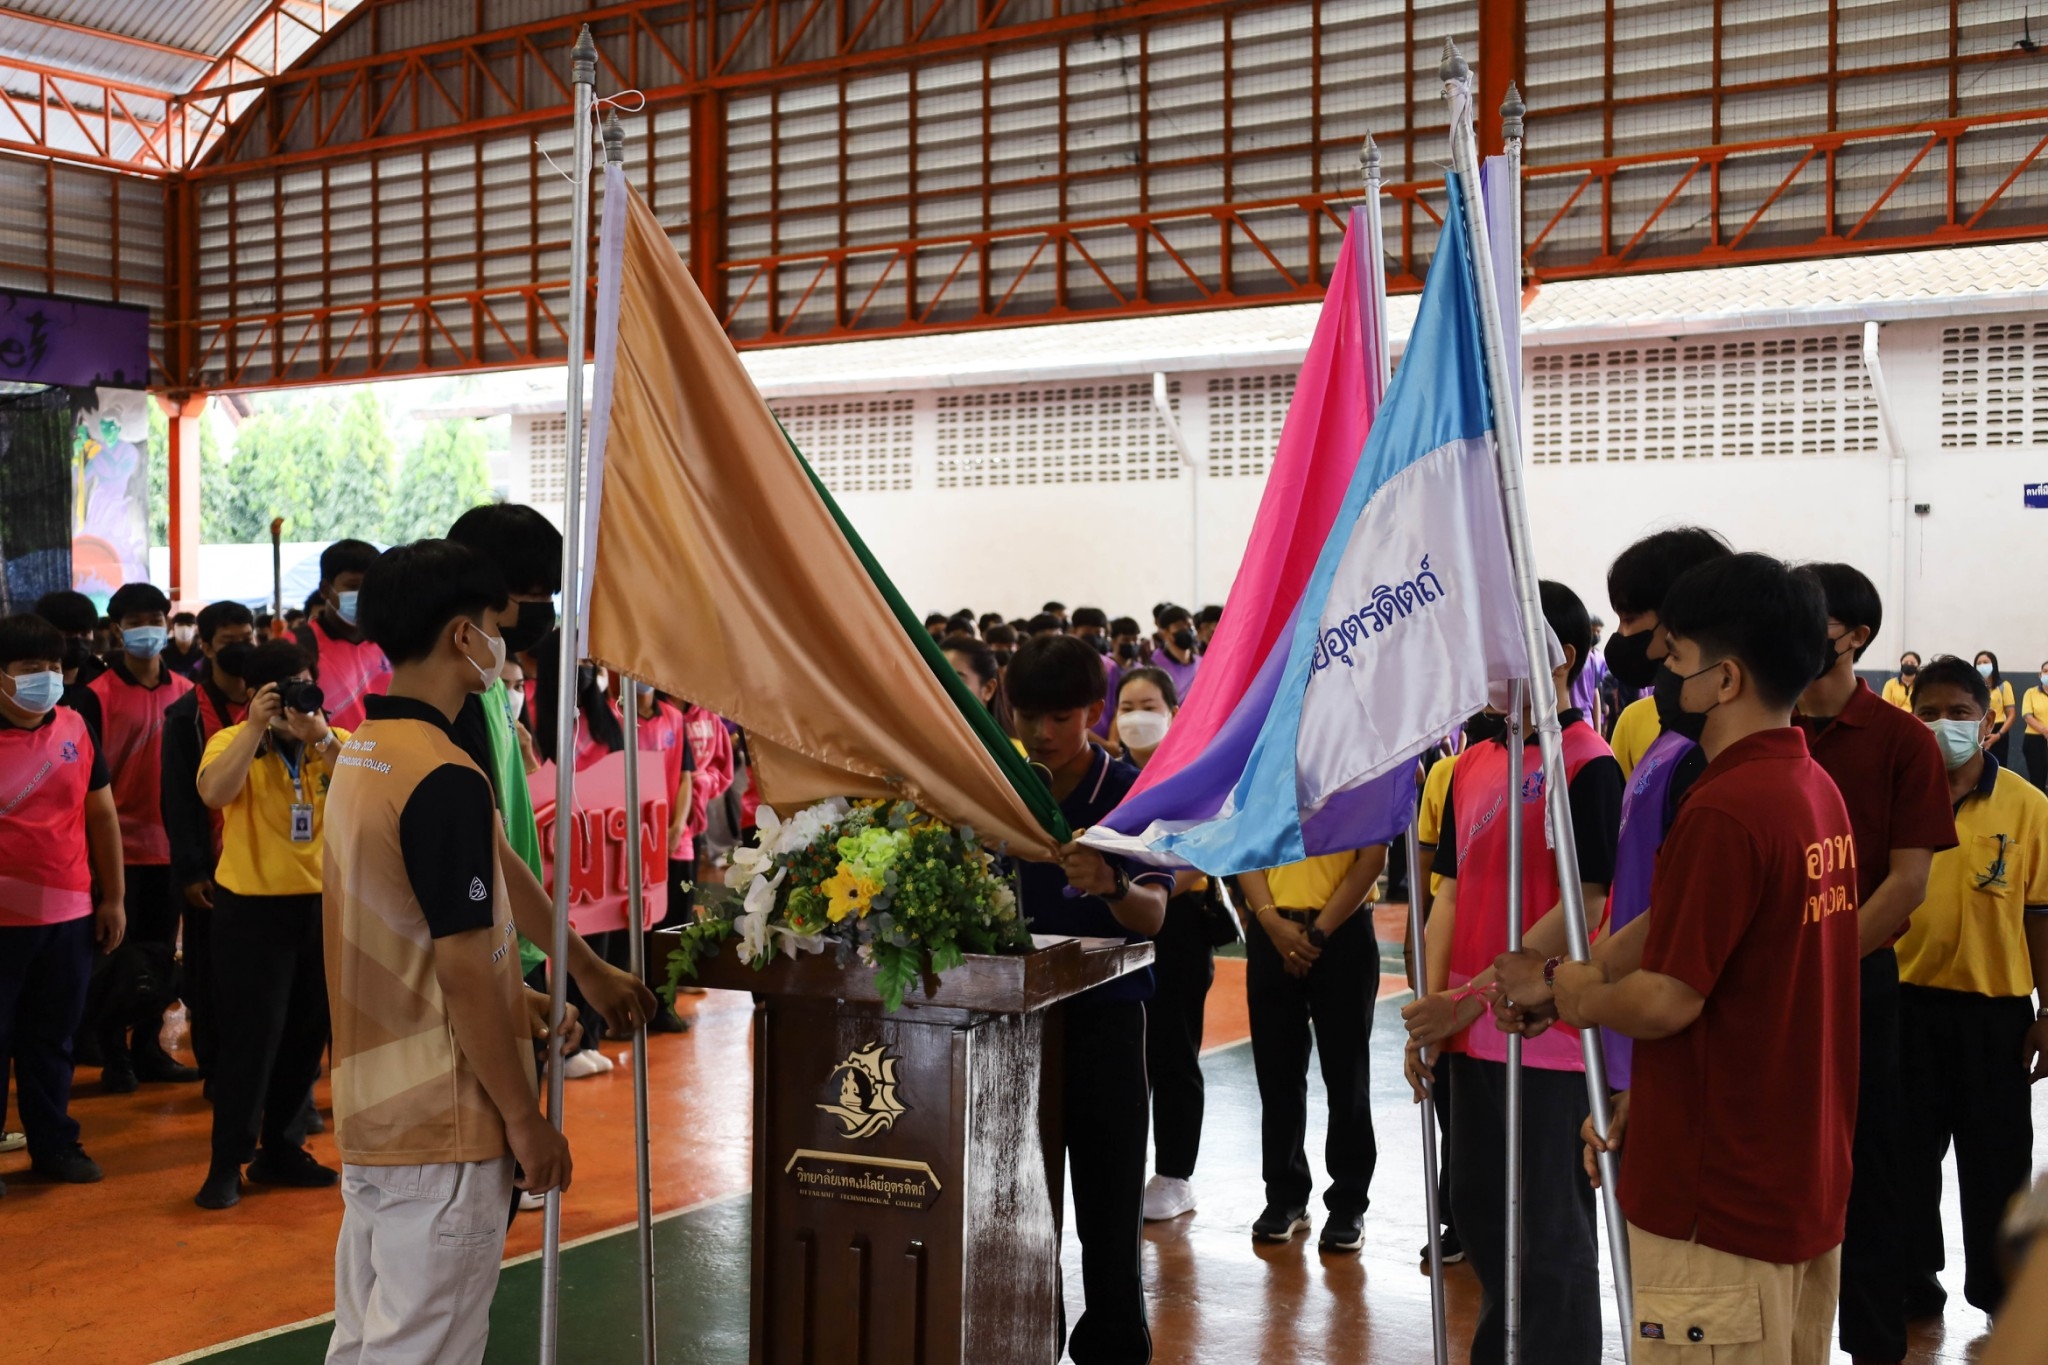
x,y
867,1102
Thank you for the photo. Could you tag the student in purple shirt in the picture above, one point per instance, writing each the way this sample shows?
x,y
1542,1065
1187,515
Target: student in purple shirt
x,y
1176,655
1637,583
1091,627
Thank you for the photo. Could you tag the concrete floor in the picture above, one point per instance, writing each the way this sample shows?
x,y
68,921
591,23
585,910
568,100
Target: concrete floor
x,y
129,1271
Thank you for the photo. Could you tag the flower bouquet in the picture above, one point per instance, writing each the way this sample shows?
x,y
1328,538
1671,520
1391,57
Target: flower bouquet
x,y
880,881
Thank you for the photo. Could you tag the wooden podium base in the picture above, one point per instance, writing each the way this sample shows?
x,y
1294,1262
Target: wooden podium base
x,y
907,1167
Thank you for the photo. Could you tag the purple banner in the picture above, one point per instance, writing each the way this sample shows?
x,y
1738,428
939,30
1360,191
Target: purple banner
x,y
49,340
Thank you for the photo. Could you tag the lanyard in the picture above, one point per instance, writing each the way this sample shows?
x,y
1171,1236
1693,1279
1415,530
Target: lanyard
x,y
291,768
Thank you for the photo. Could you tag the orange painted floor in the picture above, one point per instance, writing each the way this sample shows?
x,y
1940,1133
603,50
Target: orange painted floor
x,y
129,1271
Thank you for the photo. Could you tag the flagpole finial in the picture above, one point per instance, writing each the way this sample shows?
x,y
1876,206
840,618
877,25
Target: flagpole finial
x,y
614,140
1512,111
1453,67
583,59
1369,160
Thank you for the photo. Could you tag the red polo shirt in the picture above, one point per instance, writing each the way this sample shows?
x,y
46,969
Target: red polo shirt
x,y
1889,770
1740,1125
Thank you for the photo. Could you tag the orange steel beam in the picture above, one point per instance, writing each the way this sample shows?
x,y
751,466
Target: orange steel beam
x,y
125,39
860,292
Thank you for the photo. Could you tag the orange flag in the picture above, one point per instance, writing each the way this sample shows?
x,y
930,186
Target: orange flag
x,y
719,570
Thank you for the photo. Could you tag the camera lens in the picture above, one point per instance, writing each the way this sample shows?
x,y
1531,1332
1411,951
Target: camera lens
x,y
303,697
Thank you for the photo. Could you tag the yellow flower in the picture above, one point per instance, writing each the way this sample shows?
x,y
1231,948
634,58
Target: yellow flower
x,y
849,893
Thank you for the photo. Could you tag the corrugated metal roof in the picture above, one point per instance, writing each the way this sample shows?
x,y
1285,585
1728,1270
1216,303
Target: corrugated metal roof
x,y
195,32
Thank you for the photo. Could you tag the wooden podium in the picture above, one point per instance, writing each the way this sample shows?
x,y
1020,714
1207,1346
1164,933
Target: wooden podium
x,y
907,1166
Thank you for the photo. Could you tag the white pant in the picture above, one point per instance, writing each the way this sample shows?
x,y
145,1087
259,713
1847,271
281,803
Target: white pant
x,y
416,1265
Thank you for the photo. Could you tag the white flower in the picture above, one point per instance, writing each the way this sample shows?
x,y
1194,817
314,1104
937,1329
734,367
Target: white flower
x,y
793,942
752,921
767,827
750,862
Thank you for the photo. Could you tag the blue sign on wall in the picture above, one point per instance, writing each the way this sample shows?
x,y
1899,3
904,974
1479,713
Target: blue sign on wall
x,y
2036,494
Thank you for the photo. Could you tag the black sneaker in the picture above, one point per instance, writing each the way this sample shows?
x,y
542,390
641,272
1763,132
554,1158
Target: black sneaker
x,y
668,1021
1453,1250
1925,1300
117,1077
1343,1234
1279,1225
222,1190
72,1166
293,1166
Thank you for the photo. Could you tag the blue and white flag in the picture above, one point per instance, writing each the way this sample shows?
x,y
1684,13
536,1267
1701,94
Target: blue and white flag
x,y
1407,617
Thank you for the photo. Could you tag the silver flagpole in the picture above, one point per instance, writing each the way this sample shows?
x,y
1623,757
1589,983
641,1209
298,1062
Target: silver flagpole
x,y
1517,695
1375,280
636,939
636,932
583,78
1508,438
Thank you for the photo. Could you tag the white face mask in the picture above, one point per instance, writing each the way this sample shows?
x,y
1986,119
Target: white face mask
x,y
497,648
515,700
1960,740
1143,729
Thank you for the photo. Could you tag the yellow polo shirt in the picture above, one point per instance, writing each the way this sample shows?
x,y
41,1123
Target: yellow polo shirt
x,y
1970,933
1634,732
1309,884
1429,821
2034,704
257,855
2001,702
1898,694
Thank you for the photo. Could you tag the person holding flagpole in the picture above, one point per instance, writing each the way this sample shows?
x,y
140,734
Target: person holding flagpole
x,y
1465,933
1736,1173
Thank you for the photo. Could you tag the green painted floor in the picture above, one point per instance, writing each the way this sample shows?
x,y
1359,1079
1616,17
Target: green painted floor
x,y
701,1267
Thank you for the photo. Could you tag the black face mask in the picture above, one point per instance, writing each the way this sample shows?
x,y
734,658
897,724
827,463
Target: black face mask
x,y
1184,640
1127,651
229,659
536,620
1002,657
1484,726
1628,659
1099,643
77,652
1909,670
1671,713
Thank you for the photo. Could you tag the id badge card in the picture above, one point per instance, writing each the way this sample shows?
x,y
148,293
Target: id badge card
x,y
302,823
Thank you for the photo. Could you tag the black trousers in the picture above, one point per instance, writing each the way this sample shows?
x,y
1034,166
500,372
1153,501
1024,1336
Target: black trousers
x,y
1336,998
1560,1247
1440,1091
682,873
1183,969
1873,1310
1963,1083
153,902
198,955
44,972
270,988
1103,1100
2035,748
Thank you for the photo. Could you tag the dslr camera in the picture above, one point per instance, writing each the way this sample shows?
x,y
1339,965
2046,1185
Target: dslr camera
x,y
303,697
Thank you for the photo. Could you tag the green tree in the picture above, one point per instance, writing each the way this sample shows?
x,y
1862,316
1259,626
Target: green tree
x,y
216,492
445,477
362,463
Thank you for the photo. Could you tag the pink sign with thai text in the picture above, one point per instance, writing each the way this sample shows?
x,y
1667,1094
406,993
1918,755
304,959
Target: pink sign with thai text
x,y
597,842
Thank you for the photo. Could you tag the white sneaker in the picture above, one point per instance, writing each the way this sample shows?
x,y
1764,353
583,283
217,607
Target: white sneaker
x,y
532,1203
604,1063
12,1142
1167,1197
589,1062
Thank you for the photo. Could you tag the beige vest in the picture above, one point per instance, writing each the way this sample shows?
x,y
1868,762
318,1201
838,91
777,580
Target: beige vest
x,y
403,1092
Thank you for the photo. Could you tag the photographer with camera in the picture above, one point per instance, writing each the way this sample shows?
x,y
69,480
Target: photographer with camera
x,y
268,777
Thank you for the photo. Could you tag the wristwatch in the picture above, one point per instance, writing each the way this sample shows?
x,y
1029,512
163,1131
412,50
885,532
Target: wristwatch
x,y
1316,937
1550,971
1123,884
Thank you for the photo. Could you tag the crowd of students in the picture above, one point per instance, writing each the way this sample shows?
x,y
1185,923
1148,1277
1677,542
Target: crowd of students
x,y
1818,922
